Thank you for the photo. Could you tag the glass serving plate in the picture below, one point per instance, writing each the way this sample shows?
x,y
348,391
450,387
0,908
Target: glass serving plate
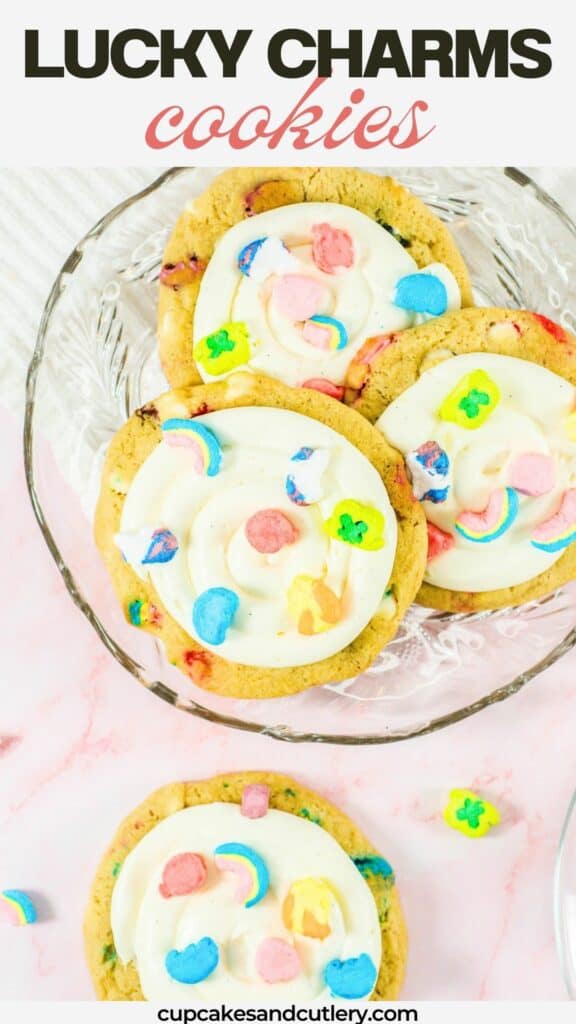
x,y
95,362
565,899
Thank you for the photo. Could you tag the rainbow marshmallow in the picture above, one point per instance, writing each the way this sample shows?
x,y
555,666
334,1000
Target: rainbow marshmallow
x,y
559,531
249,868
17,908
497,517
203,444
325,332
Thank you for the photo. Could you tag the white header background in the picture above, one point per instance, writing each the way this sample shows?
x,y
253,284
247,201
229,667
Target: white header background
x,y
103,120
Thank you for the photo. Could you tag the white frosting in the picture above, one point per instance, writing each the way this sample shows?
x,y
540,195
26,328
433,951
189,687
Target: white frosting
x,y
208,516
360,297
528,418
146,926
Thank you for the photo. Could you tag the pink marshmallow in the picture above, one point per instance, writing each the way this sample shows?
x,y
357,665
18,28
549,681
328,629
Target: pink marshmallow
x,y
277,961
270,530
184,873
326,387
255,800
438,541
532,473
332,248
297,297
369,352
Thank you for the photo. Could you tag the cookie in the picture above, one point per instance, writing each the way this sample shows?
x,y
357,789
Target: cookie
x,y
482,403
267,535
210,891
288,271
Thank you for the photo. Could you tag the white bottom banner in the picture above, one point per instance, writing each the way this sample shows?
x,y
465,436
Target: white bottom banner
x,y
355,1013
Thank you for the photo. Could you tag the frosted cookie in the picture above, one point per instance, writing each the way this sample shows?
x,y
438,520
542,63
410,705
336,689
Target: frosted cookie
x,y
288,271
268,535
211,892
483,406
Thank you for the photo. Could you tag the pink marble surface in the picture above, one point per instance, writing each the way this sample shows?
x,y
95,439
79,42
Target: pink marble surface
x,y
81,743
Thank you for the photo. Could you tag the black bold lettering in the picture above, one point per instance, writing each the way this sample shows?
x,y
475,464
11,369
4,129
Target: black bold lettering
x,y
276,60
72,57
170,53
32,67
395,58
229,53
118,53
328,53
495,51
542,61
432,46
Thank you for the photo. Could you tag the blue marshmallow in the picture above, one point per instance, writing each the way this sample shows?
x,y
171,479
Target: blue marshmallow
x,y
193,964
421,293
213,613
351,979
